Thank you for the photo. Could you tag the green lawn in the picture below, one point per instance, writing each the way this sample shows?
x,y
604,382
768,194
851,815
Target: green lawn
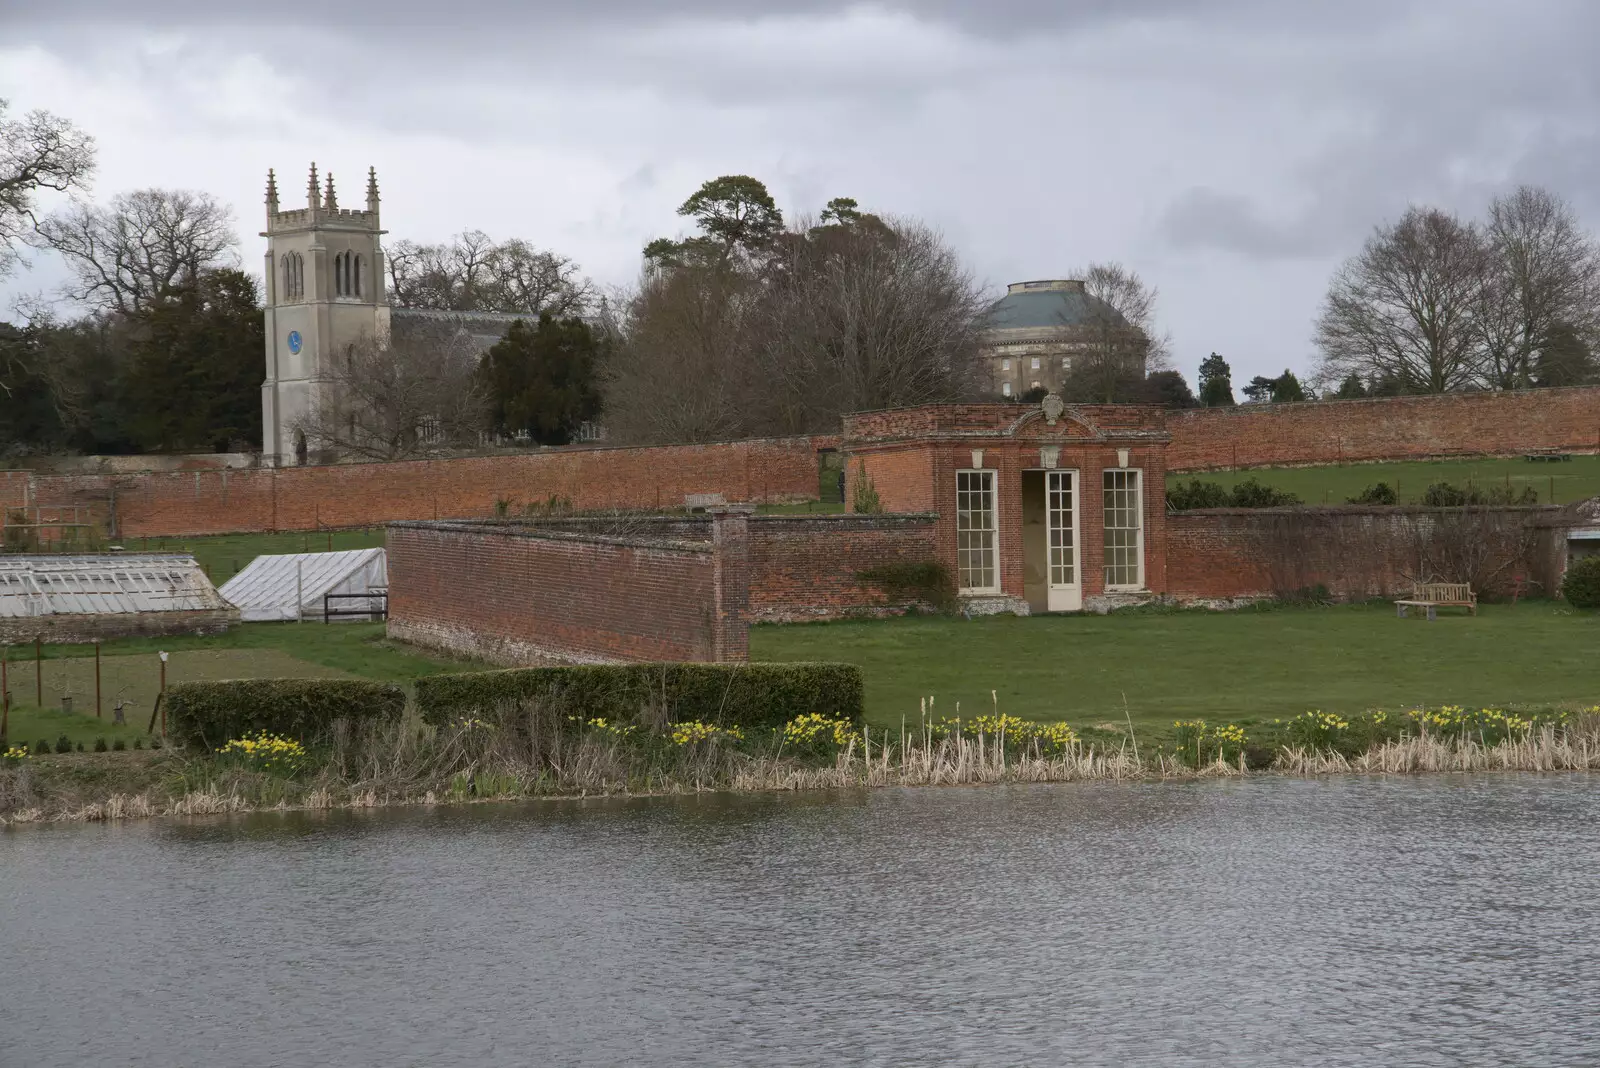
x,y
131,669
1225,665
1573,480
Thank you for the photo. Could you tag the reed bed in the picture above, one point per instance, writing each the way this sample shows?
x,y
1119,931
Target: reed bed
x,y
527,752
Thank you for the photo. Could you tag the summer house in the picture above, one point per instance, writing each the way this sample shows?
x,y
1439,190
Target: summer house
x,y
1049,508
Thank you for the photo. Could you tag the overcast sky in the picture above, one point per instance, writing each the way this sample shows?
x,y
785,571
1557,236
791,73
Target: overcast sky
x,y
1232,151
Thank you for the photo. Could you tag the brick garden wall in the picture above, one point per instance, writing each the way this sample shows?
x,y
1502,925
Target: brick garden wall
x,y
347,495
806,567
1356,552
801,567
1386,428
516,595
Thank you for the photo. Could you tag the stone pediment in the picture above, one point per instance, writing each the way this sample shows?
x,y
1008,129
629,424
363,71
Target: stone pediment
x,y
1054,418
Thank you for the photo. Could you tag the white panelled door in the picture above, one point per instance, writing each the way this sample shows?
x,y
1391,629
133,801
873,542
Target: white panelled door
x,y
1061,515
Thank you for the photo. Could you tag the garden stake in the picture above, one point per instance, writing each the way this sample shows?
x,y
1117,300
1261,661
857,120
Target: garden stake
x,y
5,690
38,672
97,713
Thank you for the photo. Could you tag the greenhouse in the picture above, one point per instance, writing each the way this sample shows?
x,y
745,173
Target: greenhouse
x,y
347,585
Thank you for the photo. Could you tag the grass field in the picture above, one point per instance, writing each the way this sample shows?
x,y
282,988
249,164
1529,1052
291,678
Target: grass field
x,y
1573,480
131,669
1228,665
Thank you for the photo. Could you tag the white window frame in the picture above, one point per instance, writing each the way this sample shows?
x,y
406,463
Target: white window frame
x,y
1035,366
1005,365
1005,389
993,529
1138,531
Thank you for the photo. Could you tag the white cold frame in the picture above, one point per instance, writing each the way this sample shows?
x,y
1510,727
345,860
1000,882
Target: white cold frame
x,y
977,532
1122,506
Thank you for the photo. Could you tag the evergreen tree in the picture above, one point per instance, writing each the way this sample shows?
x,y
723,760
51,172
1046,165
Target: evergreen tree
x,y
541,379
194,370
1565,360
1169,389
1351,388
1216,382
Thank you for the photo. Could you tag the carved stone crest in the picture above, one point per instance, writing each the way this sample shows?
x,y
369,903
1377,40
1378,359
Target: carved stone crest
x,y
1052,406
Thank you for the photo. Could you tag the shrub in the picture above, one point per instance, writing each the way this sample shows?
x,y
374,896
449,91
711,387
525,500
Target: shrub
x,y
1382,493
1446,495
1253,493
208,714
1581,584
118,746
1197,494
63,744
865,499
928,582
100,745
723,695
138,743
79,747
41,747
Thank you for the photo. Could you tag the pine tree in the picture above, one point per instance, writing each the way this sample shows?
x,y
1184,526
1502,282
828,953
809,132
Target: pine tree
x,y
1216,382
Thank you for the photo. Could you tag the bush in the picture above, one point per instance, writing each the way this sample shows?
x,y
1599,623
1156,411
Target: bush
x,y
724,695
100,745
1382,493
1446,495
79,747
118,746
210,714
928,582
41,747
63,744
1252,493
1581,584
1197,494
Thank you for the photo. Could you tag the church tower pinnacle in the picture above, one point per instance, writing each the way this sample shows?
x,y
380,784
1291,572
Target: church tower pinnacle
x,y
272,192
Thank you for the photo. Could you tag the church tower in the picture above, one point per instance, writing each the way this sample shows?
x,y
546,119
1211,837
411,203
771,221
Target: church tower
x,y
324,294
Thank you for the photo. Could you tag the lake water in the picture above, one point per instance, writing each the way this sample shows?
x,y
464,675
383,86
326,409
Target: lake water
x,y
1273,922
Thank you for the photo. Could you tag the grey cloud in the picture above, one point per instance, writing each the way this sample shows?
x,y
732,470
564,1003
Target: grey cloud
x,y
1206,218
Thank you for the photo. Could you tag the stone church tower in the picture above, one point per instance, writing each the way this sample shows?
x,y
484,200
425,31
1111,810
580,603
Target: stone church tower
x,y
324,294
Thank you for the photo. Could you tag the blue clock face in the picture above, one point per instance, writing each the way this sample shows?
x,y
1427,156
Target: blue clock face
x,y
294,341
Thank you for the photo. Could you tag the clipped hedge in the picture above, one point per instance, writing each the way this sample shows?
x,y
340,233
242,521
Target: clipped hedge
x,y
729,695
210,714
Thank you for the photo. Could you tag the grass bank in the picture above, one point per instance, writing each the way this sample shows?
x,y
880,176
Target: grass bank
x,y
530,751
1154,667
1556,483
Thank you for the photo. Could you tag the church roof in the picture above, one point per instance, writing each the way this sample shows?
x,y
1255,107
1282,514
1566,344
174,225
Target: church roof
x,y
484,327
1045,304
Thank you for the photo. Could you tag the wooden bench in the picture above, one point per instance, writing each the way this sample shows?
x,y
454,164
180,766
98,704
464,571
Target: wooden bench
x,y
1434,595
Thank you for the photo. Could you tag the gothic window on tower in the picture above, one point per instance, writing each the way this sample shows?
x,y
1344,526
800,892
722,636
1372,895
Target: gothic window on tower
x,y
355,277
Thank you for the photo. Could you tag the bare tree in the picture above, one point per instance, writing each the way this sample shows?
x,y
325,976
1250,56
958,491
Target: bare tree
x,y
38,151
679,370
473,273
861,313
399,399
1544,279
1118,341
143,248
1407,308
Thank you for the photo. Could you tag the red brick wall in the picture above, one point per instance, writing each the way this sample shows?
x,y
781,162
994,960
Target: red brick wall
x,y
1387,428
306,498
515,595
805,567
1355,552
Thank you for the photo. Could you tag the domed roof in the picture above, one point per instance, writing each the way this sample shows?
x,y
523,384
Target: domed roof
x,y
1047,304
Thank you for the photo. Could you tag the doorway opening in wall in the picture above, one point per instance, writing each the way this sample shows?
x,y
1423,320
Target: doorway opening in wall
x,y
1051,575
299,448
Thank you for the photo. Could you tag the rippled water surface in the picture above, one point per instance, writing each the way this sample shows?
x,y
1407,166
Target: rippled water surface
x,y
1275,922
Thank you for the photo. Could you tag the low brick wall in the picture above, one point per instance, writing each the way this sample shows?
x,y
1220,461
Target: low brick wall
x,y
805,567
802,567
1355,552
83,629
513,594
